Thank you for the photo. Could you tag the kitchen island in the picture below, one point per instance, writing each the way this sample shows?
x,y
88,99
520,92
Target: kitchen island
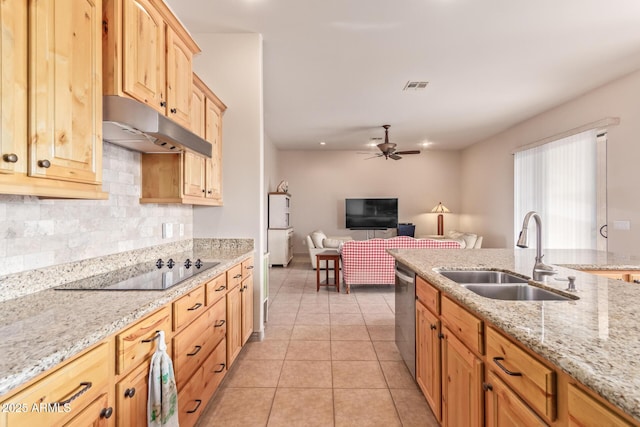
x,y
593,339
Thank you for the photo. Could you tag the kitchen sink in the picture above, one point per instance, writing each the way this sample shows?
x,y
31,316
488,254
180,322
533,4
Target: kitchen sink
x,y
501,285
515,292
482,276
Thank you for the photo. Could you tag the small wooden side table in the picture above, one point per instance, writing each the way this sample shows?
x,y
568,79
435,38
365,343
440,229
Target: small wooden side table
x,y
328,256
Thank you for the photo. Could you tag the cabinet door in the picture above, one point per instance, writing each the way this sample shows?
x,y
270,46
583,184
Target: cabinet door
x,y
586,411
65,92
13,86
197,112
143,67
247,308
131,397
213,134
504,408
462,400
97,414
428,357
194,171
234,324
179,80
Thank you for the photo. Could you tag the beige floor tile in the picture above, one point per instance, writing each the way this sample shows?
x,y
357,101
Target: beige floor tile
x,y
312,319
382,332
347,319
371,408
277,332
279,318
306,374
315,297
314,308
309,350
349,333
379,318
302,407
344,308
357,374
352,350
386,350
254,373
311,333
284,307
229,408
413,409
370,298
375,308
397,374
265,350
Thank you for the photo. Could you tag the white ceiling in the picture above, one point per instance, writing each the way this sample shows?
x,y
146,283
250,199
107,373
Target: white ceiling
x,y
334,69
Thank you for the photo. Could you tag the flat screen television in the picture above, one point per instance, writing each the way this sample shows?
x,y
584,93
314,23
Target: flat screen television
x,y
371,214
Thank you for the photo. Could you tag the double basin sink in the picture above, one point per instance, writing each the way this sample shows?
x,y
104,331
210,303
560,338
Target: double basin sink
x,y
501,285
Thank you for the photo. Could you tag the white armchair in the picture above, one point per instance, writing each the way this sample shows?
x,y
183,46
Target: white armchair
x,y
318,242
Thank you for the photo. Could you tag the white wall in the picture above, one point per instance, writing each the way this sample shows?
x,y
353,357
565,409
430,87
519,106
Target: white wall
x,y
319,182
37,233
487,167
231,65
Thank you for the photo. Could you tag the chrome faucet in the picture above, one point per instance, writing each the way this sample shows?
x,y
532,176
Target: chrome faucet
x,y
540,269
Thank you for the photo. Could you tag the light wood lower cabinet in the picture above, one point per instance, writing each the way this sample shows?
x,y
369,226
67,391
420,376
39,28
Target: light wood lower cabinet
x,y
247,308
98,413
234,324
462,374
586,411
632,276
131,397
428,357
505,408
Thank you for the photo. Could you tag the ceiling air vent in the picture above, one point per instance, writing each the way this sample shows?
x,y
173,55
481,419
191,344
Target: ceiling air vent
x,y
415,86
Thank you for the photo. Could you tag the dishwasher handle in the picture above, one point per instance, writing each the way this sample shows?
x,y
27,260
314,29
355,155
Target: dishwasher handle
x,y
402,276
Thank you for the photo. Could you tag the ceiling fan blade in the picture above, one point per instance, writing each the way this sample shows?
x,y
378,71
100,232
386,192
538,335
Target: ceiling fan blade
x,y
374,157
395,156
408,152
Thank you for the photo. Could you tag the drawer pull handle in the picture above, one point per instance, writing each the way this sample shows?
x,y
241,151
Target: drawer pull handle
x,y
250,267
198,348
433,327
198,401
85,386
237,276
221,288
222,366
195,307
217,325
155,337
130,392
497,360
106,412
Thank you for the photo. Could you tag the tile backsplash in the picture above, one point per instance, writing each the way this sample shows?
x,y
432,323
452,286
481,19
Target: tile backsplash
x,y
37,233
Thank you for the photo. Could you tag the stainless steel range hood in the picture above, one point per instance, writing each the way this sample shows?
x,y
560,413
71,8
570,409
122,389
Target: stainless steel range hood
x,y
134,125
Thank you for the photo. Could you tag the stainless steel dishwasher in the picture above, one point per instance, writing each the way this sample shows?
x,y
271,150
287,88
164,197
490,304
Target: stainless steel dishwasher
x,y
405,294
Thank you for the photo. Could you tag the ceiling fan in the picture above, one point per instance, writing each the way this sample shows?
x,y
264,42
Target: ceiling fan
x,y
388,149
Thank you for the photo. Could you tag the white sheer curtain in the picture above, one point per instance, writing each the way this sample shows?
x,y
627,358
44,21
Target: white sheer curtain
x,y
559,181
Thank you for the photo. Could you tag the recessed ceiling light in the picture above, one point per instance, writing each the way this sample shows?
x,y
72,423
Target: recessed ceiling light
x,y
425,143
323,143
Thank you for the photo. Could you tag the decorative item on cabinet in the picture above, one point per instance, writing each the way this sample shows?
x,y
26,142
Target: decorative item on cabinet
x,y
59,157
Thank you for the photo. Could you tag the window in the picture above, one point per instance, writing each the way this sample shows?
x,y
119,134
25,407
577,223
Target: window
x,y
562,181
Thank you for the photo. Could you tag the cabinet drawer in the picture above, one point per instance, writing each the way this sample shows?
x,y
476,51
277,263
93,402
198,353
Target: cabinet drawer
x,y
531,380
215,289
192,345
247,268
79,383
193,398
188,308
585,411
467,327
234,276
135,343
428,295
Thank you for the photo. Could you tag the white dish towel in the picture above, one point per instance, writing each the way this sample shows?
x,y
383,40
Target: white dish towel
x,y
162,406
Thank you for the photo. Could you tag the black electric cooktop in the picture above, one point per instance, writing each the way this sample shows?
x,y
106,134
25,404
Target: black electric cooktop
x,y
141,277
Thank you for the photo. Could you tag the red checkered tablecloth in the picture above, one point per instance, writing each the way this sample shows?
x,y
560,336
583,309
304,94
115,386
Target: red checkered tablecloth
x,y
366,262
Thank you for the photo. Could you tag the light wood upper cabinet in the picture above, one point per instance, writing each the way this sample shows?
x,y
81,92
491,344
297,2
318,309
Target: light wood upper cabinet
x,y
13,86
65,131
179,80
143,68
197,111
51,99
194,174
213,133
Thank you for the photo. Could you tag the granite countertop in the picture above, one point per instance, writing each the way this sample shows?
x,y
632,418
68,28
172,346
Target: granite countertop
x,y
594,339
42,329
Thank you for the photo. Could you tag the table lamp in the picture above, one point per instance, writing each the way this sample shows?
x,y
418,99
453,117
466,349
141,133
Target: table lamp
x,y
440,210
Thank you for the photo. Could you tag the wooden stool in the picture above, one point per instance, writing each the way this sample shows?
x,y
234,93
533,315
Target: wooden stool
x,y
327,256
